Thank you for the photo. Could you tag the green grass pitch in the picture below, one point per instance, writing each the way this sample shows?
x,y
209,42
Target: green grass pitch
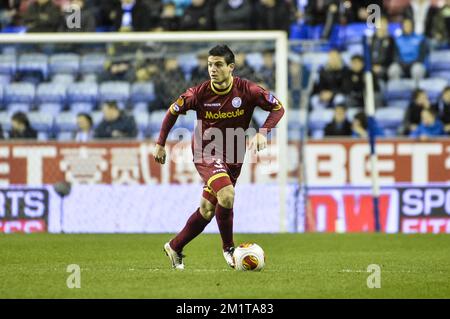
x,y
297,266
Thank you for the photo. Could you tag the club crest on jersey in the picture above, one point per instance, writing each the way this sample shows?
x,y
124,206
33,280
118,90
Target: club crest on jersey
x,y
236,102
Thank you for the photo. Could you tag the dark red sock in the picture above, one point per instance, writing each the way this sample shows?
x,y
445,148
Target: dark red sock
x,y
194,226
224,217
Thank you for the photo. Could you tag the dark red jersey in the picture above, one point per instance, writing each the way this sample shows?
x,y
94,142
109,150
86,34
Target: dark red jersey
x,y
228,112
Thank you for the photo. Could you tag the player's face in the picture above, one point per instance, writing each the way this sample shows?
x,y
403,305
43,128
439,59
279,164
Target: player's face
x,y
218,69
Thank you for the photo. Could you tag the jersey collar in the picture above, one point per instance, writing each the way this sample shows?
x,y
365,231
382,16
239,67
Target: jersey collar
x,y
226,91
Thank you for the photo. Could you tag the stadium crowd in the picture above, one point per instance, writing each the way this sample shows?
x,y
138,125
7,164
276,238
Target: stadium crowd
x,y
409,85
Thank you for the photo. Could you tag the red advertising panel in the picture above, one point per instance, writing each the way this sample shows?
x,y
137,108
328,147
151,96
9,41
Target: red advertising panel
x,y
329,163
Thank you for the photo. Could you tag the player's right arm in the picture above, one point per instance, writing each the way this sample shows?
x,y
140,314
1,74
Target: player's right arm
x,y
184,103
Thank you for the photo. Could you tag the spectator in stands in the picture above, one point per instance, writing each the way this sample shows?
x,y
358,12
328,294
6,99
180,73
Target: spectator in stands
x,y
42,16
243,69
340,125
169,20
21,127
233,15
267,71
1,133
9,13
329,13
180,6
198,16
115,123
421,13
131,15
200,71
354,83
117,70
87,18
274,14
84,131
443,106
360,126
429,126
145,72
168,84
331,82
410,53
419,102
441,24
382,50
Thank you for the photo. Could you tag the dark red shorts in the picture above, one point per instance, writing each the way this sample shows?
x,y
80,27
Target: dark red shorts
x,y
217,175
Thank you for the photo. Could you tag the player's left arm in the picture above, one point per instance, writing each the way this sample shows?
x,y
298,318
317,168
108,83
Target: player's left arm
x,y
268,102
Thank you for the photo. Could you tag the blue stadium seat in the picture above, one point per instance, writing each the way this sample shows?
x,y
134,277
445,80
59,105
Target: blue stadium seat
x,y
63,79
64,63
32,63
293,120
114,90
155,120
140,107
142,92
187,62
318,119
18,107
81,107
142,121
441,74
390,119
354,32
5,79
400,89
65,136
433,87
440,60
89,77
66,122
40,121
5,121
82,92
51,93
318,58
92,63
19,93
188,121
97,117
7,64
255,60
50,108
259,116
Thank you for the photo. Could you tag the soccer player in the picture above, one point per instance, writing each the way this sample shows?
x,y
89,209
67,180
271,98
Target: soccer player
x,y
222,103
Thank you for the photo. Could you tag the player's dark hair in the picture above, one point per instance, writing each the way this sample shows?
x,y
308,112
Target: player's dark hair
x,y
87,117
224,51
